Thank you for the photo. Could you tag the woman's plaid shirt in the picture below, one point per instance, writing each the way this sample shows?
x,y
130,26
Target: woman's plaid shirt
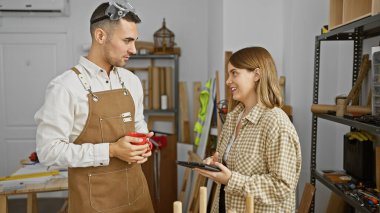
x,y
265,161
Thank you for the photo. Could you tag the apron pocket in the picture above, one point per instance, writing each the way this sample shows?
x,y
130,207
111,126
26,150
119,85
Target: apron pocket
x,y
111,128
136,184
113,189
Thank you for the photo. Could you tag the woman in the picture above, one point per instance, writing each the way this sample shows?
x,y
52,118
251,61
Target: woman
x,y
258,150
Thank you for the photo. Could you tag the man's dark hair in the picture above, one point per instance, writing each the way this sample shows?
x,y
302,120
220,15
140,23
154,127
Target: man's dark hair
x,y
97,20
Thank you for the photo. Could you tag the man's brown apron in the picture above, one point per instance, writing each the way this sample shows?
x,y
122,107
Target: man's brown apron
x,y
119,187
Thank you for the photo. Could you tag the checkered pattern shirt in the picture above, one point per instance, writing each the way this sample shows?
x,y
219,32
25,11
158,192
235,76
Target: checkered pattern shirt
x,y
265,161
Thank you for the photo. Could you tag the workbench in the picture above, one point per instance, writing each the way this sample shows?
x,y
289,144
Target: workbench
x,y
54,184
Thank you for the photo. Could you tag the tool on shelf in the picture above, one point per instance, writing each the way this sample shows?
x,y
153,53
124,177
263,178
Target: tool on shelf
x,y
324,108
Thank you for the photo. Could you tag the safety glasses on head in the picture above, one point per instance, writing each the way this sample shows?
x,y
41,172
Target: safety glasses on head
x,y
116,10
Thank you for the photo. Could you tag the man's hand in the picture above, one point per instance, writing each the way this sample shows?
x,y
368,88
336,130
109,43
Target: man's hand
x,y
124,150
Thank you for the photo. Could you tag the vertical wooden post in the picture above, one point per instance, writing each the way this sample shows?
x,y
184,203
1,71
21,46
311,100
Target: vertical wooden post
x,y
203,199
32,203
3,204
249,204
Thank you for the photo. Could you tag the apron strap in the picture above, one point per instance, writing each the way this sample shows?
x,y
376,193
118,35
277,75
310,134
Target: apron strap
x,y
86,85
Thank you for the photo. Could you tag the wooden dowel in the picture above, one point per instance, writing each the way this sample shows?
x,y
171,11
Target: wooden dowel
x,y
32,203
249,204
177,207
323,108
202,199
3,204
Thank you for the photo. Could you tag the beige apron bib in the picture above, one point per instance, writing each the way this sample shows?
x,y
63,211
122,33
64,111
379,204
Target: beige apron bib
x,y
119,187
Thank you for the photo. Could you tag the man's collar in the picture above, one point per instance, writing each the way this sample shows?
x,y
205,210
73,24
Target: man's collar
x,y
91,67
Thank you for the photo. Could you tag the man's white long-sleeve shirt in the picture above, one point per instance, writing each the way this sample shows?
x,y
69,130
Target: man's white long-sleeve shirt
x,y
64,113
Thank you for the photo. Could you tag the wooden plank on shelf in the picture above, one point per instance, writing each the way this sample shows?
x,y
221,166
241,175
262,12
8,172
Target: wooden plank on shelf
x,y
354,9
150,88
335,13
169,86
162,82
156,88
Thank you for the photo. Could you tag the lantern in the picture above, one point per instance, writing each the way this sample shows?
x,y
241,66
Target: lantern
x,y
163,40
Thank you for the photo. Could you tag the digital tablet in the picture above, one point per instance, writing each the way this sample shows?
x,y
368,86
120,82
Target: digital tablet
x,y
199,165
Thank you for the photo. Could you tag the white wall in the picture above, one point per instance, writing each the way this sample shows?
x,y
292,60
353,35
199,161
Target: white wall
x,y
304,21
255,23
215,39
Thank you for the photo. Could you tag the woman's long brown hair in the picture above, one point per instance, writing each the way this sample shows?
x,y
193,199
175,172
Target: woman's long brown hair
x,y
268,89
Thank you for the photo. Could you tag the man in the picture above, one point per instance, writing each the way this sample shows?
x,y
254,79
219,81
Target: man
x,y
88,112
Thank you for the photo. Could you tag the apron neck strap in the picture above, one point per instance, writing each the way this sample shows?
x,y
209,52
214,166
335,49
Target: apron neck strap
x,y
85,84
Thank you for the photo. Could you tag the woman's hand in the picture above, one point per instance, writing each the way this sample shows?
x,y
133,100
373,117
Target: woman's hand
x,y
221,177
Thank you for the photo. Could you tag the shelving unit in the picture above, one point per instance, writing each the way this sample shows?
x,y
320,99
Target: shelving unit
x,y
164,193
175,60
355,31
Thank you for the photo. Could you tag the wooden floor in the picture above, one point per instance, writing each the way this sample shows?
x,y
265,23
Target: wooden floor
x,y
45,205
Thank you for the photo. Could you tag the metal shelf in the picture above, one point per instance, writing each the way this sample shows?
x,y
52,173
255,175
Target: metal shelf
x,y
154,56
319,176
370,26
351,122
356,32
158,111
